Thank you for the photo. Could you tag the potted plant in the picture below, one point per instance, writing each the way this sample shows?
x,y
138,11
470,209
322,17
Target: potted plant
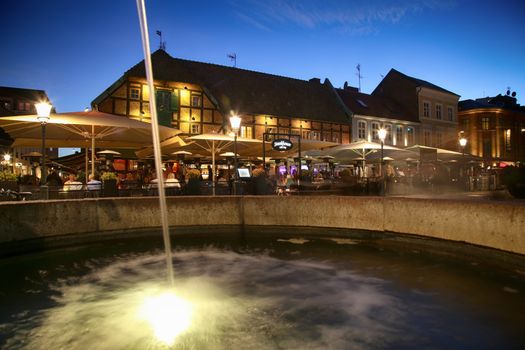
x,y
109,184
194,186
8,181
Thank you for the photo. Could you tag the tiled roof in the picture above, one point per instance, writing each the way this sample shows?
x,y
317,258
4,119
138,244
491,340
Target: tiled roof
x,y
423,83
250,92
377,106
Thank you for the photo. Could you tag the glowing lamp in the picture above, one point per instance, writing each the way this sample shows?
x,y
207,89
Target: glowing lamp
x,y
43,109
462,142
235,122
7,157
382,134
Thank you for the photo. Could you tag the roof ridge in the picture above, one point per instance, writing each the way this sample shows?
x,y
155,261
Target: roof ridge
x,y
236,68
18,88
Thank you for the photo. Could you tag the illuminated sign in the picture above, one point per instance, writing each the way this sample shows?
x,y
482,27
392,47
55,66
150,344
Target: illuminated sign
x,y
282,145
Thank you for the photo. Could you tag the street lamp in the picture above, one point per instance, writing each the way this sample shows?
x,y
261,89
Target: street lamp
x,y
235,122
382,136
43,109
463,143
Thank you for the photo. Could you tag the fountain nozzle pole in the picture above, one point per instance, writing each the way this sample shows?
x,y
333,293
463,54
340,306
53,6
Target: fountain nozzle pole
x,y
156,139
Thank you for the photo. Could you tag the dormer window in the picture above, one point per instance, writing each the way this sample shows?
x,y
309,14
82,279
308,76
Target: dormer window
x,y
361,103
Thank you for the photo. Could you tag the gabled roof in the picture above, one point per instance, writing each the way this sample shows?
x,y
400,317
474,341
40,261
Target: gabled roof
x,y
250,92
376,106
395,74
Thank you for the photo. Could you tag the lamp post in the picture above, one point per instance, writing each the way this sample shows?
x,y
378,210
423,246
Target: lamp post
x,y
235,122
463,143
43,109
382,136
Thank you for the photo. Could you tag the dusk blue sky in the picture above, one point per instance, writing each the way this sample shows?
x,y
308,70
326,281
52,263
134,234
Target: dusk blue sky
x,y
75,49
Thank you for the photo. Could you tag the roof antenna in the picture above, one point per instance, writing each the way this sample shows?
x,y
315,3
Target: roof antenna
x,y
359,76
162,44
233,58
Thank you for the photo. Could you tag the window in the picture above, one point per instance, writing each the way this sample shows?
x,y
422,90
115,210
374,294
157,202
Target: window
x,y
195,129
375,131
361,130
315,135
306,135
439,139
426,109
508,146
388,129
410,135
450,113
399,136
196,100
6,105
427,138
134,93
21,106
485,123
247,132
438,112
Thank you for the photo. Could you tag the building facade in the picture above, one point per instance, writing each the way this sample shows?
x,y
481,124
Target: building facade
x,y
432,106
494,128
371,113
198,97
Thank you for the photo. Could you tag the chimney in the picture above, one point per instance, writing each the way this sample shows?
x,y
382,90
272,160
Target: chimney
x,y
315,80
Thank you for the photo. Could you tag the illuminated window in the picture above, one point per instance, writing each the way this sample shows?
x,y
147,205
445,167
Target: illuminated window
x,y
335,137
410,135
388,129
306,135
508,146
485,123
361,130
195,129
247,132
196,100
399,135
426,109
438,111
134,93
375,131
315,135
21,106
450,113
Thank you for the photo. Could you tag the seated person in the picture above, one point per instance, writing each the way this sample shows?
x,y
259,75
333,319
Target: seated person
x,y
93,184
72,184
171,181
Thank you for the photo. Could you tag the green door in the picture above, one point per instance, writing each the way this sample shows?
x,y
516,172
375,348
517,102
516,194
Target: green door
x,y
164,112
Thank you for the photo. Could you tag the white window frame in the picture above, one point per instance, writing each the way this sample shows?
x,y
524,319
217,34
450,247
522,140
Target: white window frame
x,y
426,111
195,129
375,131
439,111
359,129
399,136
450,113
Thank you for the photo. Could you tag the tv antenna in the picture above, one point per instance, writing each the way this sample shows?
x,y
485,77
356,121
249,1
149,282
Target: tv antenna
x,y
233,58
359,76
162,44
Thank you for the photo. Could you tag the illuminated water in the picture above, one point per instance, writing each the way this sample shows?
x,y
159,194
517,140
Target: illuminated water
x,y
272,294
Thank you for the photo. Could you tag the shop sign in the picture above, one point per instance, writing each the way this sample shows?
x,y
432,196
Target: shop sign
x,y
282,145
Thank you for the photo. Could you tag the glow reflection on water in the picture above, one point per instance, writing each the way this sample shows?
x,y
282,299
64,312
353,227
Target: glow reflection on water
x,y
237,300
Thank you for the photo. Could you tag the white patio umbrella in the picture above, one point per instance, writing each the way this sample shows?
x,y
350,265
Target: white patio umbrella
x,y
82,129
360,149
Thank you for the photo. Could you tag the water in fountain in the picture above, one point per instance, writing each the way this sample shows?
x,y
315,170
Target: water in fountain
x,y
271,294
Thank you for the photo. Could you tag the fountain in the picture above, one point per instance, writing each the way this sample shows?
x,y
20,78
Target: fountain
x,y
301,290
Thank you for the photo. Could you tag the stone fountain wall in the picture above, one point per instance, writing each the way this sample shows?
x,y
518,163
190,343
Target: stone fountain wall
x,y
499,225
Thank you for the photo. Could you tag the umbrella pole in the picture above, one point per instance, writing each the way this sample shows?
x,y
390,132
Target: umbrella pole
x,y
87,166
93,149
212,167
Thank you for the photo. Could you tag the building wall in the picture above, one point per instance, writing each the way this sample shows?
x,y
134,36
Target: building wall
x,y
494,134
400,133
438,115
131,99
